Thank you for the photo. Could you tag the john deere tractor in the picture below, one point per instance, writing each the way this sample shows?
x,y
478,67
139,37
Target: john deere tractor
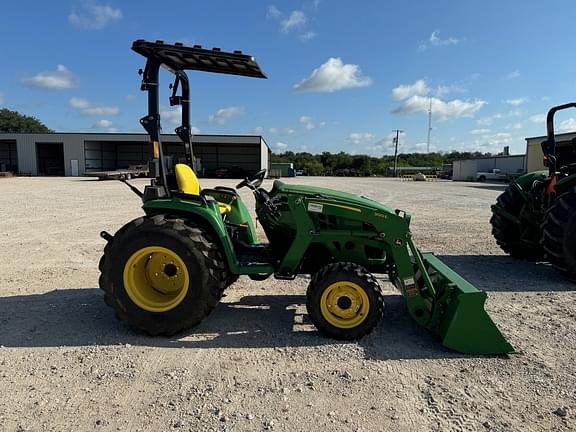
x,y
166,271
535,217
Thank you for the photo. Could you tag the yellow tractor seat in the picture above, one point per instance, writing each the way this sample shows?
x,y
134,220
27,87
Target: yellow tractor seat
x,y
188,184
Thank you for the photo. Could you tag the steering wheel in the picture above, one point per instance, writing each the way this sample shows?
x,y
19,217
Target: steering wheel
x,y
254,181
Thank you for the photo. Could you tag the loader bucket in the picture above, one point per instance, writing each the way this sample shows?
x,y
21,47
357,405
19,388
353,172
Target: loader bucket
x,y
457,312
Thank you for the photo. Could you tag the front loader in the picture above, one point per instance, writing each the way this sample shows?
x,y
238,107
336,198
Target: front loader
x,y
165,272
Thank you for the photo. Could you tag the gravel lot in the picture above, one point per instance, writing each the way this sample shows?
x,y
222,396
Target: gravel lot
x,y
256,364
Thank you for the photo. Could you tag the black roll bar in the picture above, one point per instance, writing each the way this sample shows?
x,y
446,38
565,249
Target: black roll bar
x,y
549,146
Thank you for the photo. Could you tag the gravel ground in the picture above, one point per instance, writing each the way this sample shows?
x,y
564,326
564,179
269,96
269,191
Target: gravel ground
x,y
256,363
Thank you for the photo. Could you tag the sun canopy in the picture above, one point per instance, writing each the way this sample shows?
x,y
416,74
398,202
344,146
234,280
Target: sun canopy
x,y
179,57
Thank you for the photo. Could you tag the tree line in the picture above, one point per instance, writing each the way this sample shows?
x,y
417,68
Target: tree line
x,y
14,122
343,163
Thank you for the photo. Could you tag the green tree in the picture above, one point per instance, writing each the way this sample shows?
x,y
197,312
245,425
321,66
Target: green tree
x,y
313,168
14,122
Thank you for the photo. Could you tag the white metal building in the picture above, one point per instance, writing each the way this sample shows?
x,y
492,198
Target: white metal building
x,y
466,169
74,154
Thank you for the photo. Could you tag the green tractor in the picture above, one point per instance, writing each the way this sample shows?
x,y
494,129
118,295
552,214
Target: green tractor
x,y
535,217
166,271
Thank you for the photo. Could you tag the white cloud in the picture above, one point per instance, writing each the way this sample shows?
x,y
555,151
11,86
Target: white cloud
x,y
517,101
332,76
386,146
480,131
513,74
173,115
488,121
443,90
493,143
86,108
307,122
281,146
305,37
538,118
568,125
441,110
515,126
259,130
296,19
405,91
103,124
93,16
60,79
436,41
224,114
360,137
100,111
273,12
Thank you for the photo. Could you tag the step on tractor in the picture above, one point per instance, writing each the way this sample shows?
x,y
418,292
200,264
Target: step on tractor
x,y
166,271
535,217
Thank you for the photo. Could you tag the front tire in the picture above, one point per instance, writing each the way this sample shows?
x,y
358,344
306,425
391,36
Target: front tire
x,y
559,234
510,236
162,275
344,301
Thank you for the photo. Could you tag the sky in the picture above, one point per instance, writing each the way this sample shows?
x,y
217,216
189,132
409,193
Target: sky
x,y
342,75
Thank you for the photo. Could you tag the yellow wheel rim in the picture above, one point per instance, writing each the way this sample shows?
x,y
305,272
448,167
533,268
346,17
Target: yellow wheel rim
x,y
344,304
156,279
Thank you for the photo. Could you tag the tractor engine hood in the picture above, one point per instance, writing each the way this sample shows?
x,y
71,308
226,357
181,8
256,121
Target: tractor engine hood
x,y
324,194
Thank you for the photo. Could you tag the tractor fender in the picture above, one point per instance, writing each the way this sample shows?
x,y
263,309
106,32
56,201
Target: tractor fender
x,y
525,181
202,216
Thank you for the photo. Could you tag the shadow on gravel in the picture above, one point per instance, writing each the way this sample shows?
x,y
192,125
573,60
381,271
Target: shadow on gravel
x,y
506,274
79,317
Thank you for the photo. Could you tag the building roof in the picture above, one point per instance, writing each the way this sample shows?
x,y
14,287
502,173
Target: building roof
x,y
566,134
257,139
491,157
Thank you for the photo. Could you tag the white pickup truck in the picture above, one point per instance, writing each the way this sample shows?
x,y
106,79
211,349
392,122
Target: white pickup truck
x,y
494,175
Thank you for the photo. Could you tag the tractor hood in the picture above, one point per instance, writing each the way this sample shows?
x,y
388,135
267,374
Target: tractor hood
x,y
323,194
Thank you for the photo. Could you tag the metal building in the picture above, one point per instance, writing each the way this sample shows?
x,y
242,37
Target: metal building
x,y
74,154
534,155
466,169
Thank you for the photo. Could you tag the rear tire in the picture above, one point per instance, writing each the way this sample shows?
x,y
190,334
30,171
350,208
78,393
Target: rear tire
x,y
559,234
162,275
344,301
508,235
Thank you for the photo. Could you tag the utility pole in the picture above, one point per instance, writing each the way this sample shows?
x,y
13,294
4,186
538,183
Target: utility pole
x,y
395,141
429,125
